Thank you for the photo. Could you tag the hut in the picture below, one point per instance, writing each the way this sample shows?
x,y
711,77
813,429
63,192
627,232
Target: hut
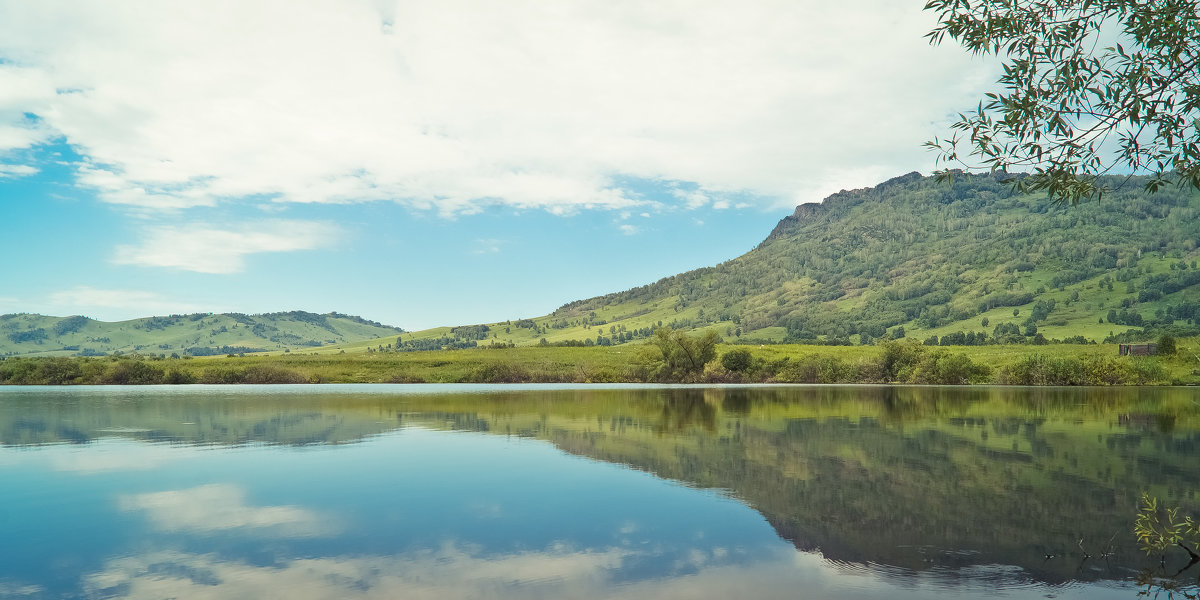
x,y
1137,349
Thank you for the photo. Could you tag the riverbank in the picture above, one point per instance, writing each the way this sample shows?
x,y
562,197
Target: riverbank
x,y
890,362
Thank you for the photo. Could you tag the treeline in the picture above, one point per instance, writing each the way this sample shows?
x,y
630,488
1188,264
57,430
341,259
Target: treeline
x,y
670,356
135,370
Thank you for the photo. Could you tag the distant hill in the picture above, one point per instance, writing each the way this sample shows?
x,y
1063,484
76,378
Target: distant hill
x,y
199,334
970,260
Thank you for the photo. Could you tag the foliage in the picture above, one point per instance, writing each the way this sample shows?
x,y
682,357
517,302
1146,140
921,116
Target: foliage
x,y
1159,529
1166,345
70,325
815,368
1042,369
891,361
737,360
674,355
1068,93
900,358
944,368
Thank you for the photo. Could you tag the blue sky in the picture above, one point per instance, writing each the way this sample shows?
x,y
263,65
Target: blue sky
x,y
426,164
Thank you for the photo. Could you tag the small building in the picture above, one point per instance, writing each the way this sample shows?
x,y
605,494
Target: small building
x,y
1137,349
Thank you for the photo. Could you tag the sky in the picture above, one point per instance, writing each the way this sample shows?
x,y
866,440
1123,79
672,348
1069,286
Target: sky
x,y
436,163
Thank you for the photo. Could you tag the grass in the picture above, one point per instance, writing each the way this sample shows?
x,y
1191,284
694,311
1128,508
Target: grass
x,y
532,364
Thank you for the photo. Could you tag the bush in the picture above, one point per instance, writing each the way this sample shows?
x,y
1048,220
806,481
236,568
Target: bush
x,y
499,372
898,359
737,360
818,369
269,374
943,368
1166,345
1039,369
221,375
177,377
132,372
1144,371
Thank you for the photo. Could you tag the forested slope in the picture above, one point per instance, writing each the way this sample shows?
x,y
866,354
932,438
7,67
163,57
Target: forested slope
x,y
939,259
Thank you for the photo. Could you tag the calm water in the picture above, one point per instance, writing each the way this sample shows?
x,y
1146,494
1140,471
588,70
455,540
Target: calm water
x,y
599,492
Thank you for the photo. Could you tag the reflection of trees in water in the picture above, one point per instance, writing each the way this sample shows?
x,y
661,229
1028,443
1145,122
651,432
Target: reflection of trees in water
x,y
916,477
736,401
191,419
919,477
684,410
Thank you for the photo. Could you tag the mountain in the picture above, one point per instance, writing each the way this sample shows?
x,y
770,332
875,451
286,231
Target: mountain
x,y
199,334
969,259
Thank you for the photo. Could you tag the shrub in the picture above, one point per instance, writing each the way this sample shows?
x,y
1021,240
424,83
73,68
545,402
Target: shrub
x,y
898,359
737,360
949,369
177,377
221,375
499,372
818,369
1039,369
270,374
132,372
1166,345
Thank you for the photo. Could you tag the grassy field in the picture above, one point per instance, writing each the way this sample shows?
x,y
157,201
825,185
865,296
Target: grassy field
x,y
624,363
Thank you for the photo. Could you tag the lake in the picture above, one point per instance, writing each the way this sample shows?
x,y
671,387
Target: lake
x,y
624,491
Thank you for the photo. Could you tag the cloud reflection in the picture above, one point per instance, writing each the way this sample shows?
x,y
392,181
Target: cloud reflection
x,y
451,572
558,572
16,590
219,507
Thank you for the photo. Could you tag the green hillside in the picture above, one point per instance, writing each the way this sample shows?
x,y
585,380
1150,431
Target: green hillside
x,y
200,334
968,259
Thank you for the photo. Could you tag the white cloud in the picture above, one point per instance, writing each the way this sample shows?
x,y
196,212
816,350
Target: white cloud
x,y
457,104
628,229
219,507
692,199
207,249
121,304
17,170
21,89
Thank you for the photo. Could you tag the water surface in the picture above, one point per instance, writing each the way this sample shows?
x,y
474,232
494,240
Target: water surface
x,y
587,492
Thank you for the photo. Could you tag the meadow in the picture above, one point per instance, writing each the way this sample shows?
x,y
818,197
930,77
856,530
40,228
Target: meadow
x,y
888,362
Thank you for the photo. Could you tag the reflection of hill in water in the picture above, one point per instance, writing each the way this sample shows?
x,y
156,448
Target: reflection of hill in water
x,y
191,418
917,478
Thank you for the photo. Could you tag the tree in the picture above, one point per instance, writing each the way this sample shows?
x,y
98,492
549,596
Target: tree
x,y
1070,92
674,354
1166,345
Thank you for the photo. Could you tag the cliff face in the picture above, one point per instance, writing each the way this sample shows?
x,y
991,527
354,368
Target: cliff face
x,y
803,214
809,212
